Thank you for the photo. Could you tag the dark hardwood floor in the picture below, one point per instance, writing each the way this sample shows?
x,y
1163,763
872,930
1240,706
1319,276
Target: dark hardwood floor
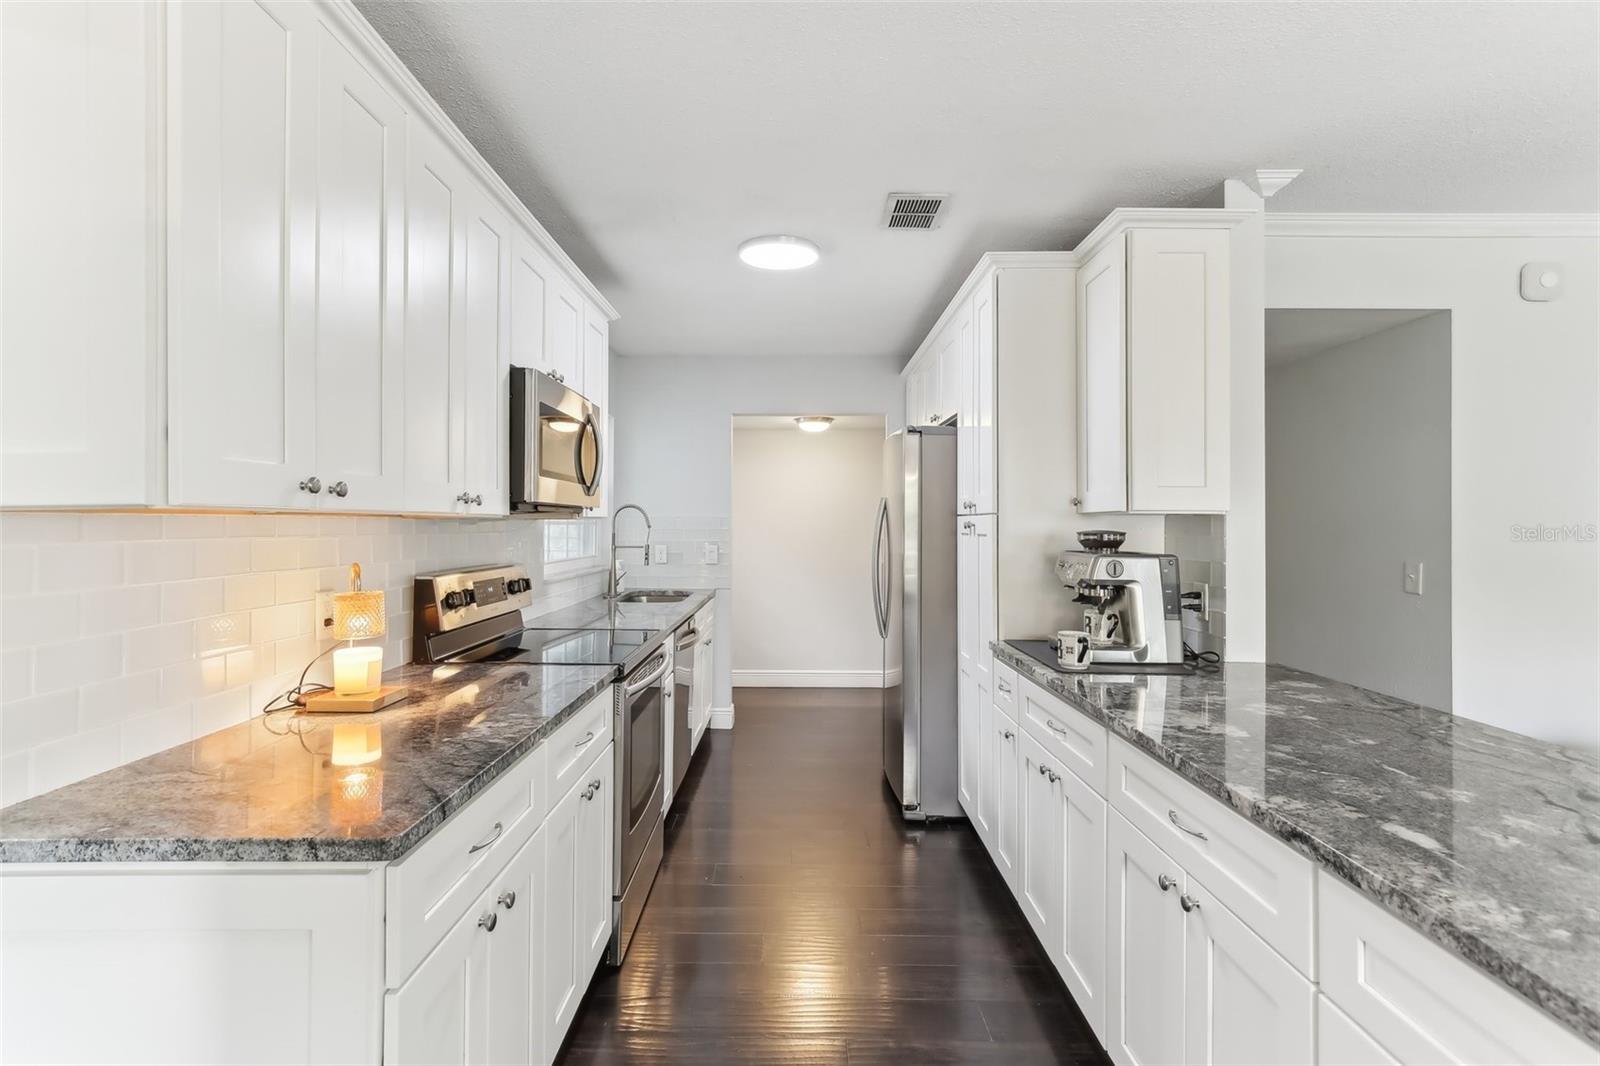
x,y
798,919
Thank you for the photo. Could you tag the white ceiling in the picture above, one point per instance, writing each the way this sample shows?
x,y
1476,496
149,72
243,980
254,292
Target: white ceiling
x,y
651,138
1294,334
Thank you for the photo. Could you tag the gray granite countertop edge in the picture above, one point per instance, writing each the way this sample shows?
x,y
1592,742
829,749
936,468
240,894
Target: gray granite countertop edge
x,y
294,849
1393,898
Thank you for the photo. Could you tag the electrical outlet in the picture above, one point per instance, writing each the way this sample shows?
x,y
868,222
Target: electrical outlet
x,y
324,619
658,553
709,553
1413,579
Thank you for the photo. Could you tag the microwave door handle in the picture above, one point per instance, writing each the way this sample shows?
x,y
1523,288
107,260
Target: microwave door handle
x,y
590,430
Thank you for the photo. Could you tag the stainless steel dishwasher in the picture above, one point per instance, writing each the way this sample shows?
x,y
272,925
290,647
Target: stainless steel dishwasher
x,y
685,641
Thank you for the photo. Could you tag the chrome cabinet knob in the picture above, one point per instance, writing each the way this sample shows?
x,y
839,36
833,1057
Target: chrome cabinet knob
x,y
1053,776
488,920
1008,734
1188,902
1166,882
508,899
477,500
464,498
312,485
339,489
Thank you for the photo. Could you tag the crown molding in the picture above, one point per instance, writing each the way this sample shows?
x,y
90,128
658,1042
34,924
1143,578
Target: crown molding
x,y
987,262
1126,218
1364,224
376,49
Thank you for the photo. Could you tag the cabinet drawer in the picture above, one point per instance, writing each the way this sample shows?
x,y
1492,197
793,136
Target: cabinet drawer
x,y
431,888
1005,689
1420,1002
1074,738
572,747
1259,879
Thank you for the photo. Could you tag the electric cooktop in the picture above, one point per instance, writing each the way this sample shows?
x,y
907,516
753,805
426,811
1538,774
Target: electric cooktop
x,y
564,647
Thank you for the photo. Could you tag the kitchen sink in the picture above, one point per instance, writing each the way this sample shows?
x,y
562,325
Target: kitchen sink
x,y
652,597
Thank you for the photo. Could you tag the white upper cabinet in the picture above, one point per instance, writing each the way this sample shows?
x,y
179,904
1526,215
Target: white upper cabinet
x,y
563,333
1103,380
486,388
79,191
532,277
1153,372
242,264
360,299
977,493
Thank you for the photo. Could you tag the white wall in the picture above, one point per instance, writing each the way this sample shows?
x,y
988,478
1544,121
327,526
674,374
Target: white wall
x,y
1358,483
1525,452
805,507
125,634
674,442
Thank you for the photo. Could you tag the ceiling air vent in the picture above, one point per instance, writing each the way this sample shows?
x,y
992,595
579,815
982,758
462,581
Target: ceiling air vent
x,y
913,210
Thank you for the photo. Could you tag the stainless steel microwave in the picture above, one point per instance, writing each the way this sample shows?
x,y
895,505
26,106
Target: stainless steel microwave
x,y
556,450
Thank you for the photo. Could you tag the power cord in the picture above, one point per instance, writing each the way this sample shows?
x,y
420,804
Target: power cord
x,y
296,696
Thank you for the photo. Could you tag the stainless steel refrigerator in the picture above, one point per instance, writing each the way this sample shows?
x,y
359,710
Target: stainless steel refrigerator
x,y
914,596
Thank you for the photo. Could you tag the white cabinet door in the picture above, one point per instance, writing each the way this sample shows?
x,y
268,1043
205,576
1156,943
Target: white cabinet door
x,y
969,754
1243,1002
360,300
242,265
1341,1042
988,782
1103,380
563,332
953,367
437,207
531,278
982,457
1039,861
1178,366
1007,765
967,606
916,398
1144,949
1079,949
985,619
592,929
515,946
485,385
79,362
440,1016
562,987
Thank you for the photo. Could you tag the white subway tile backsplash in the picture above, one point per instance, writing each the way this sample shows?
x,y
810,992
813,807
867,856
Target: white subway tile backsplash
x,y
121,635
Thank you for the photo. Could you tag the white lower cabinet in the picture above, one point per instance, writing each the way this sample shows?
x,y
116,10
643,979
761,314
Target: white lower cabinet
x,y
576,914
1144,957
1005,844
1340,1040
469,1000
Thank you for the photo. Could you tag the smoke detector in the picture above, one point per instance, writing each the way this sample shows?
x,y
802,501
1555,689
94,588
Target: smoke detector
x,y
913,210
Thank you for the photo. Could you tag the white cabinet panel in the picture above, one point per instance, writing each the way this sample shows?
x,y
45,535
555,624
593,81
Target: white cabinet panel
x,y
595,829
563,331
563,979
969,754
360,360
486,386
986,617
441,1014
242,261
1178,387
515,947
1039,859
1007,765
1243,1002
531,279
79,361
1341,1042
982,457
1079,947
1144,950
1102,380
437,206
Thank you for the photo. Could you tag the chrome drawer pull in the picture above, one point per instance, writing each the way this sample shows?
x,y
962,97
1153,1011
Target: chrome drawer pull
x,y
587,737
1166,882
1003,687
1051,722
1188,902
1172,816
498,829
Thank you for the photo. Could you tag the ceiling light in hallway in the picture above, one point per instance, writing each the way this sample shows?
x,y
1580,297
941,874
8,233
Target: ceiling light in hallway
x,y
778,252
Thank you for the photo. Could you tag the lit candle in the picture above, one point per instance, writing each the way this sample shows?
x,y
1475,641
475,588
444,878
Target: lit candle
x,y
357,670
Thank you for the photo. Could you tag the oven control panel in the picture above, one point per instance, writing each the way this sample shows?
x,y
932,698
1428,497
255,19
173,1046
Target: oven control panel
x,y
455,598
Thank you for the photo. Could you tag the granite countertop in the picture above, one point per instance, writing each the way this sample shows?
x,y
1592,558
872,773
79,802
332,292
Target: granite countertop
x,y
601,613
267,790
1485,840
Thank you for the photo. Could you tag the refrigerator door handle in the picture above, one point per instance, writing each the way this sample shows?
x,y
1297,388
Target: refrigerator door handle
x,y
880,608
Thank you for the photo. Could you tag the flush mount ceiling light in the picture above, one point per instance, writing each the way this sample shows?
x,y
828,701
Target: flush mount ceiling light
x,y
778,252
814,423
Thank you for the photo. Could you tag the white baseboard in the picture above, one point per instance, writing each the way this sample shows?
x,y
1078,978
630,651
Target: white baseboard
x,y
808,679
721,718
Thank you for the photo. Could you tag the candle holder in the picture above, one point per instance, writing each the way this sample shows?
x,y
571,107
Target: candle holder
x,y
357,671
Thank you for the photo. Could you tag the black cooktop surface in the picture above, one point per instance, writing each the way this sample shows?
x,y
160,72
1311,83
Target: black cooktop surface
x,y
565,647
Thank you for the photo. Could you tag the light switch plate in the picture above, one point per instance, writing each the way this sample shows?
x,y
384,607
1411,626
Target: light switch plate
x,y
710,553
1413,579
658,553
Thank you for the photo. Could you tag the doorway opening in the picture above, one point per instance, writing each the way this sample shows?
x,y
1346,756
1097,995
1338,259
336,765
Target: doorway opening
x,y
805,500
1358,498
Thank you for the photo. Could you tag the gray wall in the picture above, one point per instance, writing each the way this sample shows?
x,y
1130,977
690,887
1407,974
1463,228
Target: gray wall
x,y
1358,482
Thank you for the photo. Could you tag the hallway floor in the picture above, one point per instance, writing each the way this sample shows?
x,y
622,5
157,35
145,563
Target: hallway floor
x,y
797,919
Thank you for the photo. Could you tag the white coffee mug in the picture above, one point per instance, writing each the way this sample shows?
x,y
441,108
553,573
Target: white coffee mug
x,y
1074,650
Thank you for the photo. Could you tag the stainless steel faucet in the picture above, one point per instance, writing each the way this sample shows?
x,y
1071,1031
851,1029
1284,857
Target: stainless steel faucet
x,y
616,574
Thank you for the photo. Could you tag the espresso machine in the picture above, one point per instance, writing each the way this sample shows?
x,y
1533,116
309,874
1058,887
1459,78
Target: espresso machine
x,y
1132,606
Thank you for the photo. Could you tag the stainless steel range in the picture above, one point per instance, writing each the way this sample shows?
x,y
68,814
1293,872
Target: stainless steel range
x,y
475,616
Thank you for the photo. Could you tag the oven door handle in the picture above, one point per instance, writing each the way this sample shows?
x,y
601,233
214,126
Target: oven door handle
x,y
630,687
689,640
